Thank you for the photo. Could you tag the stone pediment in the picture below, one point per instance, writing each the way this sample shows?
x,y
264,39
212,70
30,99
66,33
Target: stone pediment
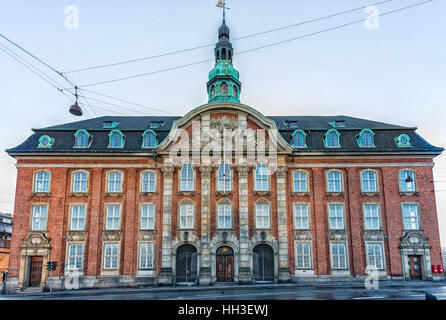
x,y
36,240
414,239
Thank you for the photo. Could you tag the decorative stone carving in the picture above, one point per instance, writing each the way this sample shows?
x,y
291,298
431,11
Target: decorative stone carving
x,y
146,236
224,122
414,239
111,235
243,170
302,235
281,171
205,171
337,235
375,235
76,235
167,171
36,240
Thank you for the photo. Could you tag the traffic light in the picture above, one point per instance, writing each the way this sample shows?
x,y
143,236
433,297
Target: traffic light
x,y
54,265
51,265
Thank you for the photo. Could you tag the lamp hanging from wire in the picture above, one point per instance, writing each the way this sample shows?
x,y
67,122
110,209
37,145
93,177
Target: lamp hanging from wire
x,y
75,109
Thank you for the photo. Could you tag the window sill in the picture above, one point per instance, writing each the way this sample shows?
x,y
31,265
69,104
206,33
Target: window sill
x,y
409,193
186,193
298,193
114,194
41,194
334,193
262,193
148,193
79,194
224,192
370,194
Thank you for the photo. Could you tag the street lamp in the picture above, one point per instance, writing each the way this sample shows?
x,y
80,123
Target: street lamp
x,y
75,109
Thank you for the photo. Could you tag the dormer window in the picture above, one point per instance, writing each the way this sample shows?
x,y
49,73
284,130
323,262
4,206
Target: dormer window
x,y
298,139
45,142
149,139
156,124
366,138
331,139
116,139
110,124
403,140
82,139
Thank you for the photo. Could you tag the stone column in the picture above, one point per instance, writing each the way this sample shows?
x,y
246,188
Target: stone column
x,y
245,274
166,274
284,270
205,254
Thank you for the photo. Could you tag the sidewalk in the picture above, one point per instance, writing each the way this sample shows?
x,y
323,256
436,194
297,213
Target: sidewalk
x,y
317,284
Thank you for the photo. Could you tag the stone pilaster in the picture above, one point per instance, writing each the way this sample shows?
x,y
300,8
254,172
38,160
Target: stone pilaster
x,y
166,274
284,271
245,274
205,255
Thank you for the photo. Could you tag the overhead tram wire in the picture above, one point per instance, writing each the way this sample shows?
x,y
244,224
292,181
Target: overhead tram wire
x,y
257,48
235,39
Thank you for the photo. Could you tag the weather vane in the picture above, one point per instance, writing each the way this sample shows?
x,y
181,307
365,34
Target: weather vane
x,y
222,4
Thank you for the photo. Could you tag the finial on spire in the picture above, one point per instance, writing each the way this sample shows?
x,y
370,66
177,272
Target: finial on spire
x,y
222,4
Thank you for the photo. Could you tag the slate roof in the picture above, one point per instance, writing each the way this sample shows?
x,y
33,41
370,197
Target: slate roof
x,y
314,126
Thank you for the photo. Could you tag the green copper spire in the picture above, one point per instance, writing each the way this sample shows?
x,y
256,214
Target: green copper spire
x,y
223,84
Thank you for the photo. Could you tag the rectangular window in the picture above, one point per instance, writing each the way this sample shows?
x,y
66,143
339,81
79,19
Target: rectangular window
x,y
146,255
111,252
80,180
39,218
262,216
407,181
368,181
77,217
375,255
371,217
113,217
148,182
334,181
147,217
261,177
300,181
303,255
42,183
114,182
301,216
224,214
75,256
336,216
186,216
411,216
338,256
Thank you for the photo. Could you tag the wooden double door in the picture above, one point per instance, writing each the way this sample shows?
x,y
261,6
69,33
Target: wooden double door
x,y
414,267
35,271
225,264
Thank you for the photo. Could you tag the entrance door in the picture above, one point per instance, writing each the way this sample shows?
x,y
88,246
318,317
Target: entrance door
x,y
35,271
225,264
415,267
263,263
186,264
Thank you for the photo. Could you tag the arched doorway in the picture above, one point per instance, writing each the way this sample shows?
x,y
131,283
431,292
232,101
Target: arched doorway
x,y
225,264
263,263
186,264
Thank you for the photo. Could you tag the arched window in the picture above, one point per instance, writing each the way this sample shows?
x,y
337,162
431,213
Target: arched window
x,y
224,88
261,178
368,181
300,181
229,55
82,139
148,181
334,181
366,138
299,139
224,178
149,139
42,181
332,138
235,92
114,181
223,54
212,91
80,180
407,181
116,139
187,178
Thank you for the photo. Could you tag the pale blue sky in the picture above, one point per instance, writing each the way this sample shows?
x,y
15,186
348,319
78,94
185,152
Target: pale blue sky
x,y
394,74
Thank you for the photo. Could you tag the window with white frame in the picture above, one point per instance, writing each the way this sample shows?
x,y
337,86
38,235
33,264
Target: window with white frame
x,y
39,218
75,256
371,216
224,216
187,178
407,181
336,216
77,217
147,217
375,255
338,255
146,255
411,216
261,177
368,181
42,181
262,216
113,217
80,180
334,181
148,181
224,177
301,216
114,182
300,181
303,255
187,216
111,254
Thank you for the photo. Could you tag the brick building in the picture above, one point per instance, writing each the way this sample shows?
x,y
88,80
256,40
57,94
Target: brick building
x,y
121,201
5,241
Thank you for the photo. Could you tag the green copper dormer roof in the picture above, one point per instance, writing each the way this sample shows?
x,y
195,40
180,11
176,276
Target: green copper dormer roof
x,y
223,68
